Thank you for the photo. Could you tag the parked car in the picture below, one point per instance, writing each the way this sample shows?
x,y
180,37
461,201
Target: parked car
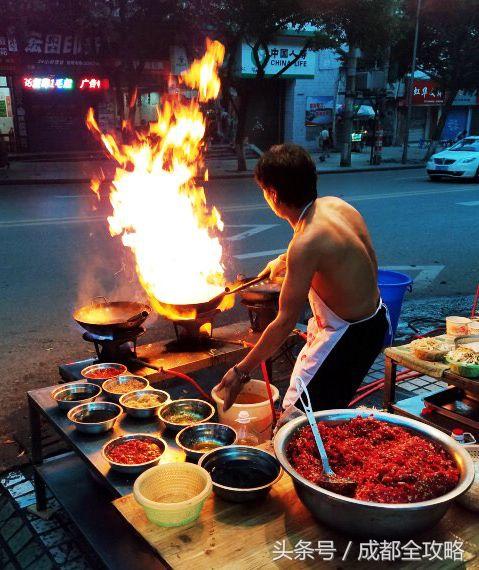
x,y
461,160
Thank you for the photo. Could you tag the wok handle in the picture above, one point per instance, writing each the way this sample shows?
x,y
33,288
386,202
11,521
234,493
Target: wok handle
x,y
98,297
141,314
242,286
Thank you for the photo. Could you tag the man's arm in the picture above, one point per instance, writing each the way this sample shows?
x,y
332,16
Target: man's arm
x,y
294,294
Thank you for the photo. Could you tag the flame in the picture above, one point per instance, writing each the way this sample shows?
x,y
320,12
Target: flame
x,y
159,211
202,75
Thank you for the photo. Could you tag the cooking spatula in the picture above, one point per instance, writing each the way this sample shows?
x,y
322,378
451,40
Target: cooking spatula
x,y
329,480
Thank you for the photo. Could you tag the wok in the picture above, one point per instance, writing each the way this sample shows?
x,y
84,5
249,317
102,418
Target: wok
x,y
206,306
107,318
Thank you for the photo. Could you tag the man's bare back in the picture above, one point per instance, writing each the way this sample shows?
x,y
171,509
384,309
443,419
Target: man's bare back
x,y
334,238
330,253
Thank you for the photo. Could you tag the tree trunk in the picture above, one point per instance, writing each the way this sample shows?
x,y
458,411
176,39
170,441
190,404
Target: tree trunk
x,y
243,107
436,136
351,64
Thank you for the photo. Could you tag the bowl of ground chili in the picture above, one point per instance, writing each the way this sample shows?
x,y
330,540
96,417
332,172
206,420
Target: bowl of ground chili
x,y
407,472
132,454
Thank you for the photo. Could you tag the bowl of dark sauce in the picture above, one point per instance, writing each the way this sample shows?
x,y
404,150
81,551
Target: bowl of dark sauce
x,y
95,417
241,473
68,396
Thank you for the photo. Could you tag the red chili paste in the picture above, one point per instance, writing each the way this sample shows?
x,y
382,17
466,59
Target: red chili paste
x,y
101,373
391,464
134,451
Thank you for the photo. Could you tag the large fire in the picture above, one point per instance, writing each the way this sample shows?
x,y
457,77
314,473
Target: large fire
x,y
159,210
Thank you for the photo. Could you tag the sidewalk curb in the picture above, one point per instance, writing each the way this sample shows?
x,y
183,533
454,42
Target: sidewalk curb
x,y
232,176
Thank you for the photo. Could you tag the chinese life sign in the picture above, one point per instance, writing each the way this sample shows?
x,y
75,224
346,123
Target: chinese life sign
x,y
427,92
319,111
65,83
282,52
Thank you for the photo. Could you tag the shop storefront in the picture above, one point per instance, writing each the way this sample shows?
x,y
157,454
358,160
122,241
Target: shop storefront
x,y
48,81
289,106
56,108
7,131
464,116
426,102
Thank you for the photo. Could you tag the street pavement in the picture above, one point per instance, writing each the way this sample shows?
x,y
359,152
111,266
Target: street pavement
x,y
220,160
56,252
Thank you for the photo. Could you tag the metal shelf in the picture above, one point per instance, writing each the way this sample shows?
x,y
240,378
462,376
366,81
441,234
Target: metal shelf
x,y
89,506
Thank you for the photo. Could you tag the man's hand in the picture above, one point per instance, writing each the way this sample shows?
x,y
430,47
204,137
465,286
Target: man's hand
x,y
276,269
231,386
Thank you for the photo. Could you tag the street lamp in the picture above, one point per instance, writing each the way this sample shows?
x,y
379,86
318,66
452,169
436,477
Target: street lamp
x,y
411,85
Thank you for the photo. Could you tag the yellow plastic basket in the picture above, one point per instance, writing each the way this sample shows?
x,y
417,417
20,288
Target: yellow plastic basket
x,y
173,494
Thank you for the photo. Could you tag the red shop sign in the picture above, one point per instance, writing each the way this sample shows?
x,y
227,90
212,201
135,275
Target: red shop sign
x,y
427,92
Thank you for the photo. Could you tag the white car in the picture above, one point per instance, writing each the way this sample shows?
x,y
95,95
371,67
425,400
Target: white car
x,y
461,160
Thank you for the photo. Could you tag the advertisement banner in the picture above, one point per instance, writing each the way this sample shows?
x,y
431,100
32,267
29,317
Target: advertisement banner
x,y
319,111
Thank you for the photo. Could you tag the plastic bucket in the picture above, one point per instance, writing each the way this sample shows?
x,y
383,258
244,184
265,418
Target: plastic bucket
x,y
393,285
261,411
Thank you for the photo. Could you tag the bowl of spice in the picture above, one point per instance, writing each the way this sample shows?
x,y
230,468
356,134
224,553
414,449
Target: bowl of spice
x,y
98,373
181,413
95,417
132,454
68,396
201,438
115,388
144,403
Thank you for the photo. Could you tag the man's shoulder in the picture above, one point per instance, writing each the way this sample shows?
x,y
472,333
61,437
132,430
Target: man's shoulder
x,y
309,241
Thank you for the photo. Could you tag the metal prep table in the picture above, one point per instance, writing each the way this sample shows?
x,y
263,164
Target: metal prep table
x,y
82,481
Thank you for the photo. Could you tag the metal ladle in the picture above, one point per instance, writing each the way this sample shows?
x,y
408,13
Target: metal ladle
x,y
329,480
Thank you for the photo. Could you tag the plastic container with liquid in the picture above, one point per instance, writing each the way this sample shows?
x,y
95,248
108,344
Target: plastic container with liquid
x,y
253,399
247,435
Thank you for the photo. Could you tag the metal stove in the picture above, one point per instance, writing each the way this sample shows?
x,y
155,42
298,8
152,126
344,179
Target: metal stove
x,y
193,348
116,348
261,313
194,334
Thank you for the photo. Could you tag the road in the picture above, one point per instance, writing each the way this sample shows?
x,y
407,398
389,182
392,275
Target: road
x,y
56,252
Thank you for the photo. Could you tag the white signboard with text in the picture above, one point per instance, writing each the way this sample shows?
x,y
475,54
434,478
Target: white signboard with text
x,y
282,52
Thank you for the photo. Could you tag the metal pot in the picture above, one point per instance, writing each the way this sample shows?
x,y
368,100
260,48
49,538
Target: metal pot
x,y
260,292
108,318
367,518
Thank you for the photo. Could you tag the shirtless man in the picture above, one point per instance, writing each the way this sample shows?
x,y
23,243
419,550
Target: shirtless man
x,y
331,261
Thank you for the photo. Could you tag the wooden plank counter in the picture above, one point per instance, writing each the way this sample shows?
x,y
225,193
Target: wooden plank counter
x,y
246,536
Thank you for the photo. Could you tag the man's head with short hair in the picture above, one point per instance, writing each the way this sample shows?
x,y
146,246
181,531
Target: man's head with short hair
x,y
287,175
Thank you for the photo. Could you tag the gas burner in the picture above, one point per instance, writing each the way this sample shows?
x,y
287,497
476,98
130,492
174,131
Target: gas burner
x,y
261,313
193,334
115,348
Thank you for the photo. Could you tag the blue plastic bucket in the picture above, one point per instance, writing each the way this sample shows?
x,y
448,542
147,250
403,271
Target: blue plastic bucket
x,y
393,285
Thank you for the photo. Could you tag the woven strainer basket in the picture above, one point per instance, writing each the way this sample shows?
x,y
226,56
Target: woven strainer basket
x,y
173,494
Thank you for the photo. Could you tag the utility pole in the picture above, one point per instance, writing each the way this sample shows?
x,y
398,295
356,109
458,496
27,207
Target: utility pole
x,y
410,86
352,61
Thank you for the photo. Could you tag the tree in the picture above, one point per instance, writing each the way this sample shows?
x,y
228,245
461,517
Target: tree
x,y
357,27
257,23
131,31
448,51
